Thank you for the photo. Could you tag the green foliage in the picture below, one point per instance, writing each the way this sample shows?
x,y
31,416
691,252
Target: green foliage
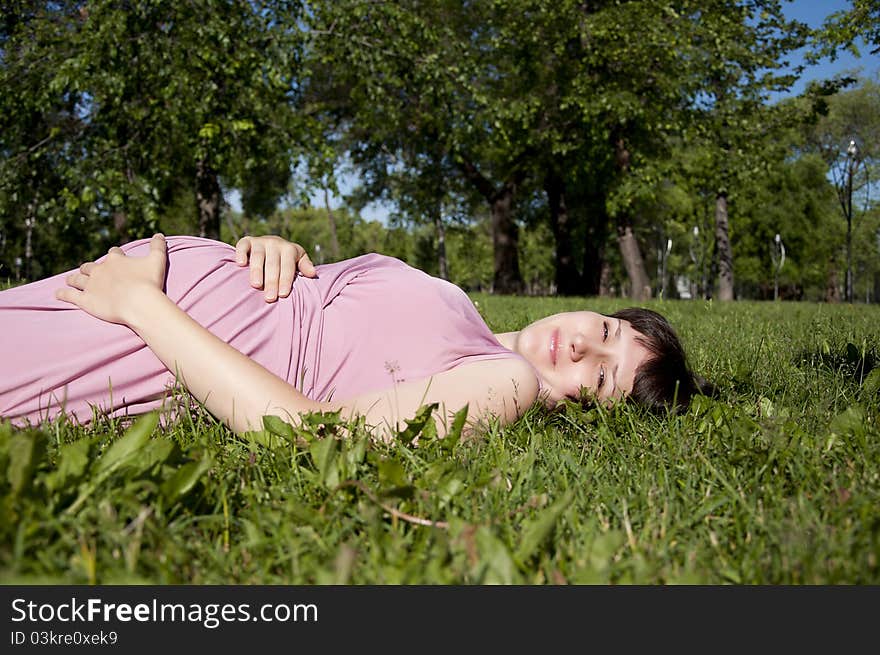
x,y
844,28
796,201
111,112
479,119
773,482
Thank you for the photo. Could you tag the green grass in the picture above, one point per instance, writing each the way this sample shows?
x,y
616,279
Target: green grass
x,y
774,482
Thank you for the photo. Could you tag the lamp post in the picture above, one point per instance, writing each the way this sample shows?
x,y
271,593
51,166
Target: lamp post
x,y
698,257
777,256
852,163
662,258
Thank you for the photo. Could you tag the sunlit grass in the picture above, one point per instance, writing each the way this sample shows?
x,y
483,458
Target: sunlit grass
x,y
776,481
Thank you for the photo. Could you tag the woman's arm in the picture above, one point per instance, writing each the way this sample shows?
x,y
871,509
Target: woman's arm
x,y
234,388
501,389
239,391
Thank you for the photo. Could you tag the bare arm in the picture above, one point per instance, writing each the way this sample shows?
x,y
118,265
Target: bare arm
x,y
502,389
239,391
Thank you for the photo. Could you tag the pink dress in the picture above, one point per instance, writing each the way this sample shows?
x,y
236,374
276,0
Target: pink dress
x,y
362,325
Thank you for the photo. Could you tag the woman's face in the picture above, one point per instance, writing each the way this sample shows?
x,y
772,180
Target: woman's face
x,y
583,352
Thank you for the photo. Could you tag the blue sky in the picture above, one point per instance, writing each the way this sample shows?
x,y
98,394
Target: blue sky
x,y
813,13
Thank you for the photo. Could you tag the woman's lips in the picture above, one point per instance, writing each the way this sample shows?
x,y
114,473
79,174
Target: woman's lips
x,y
554,346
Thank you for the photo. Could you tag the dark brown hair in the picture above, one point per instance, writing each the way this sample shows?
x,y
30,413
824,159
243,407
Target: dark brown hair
x,y
664,380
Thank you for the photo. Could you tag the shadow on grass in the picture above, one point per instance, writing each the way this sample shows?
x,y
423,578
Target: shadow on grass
x,y
849,362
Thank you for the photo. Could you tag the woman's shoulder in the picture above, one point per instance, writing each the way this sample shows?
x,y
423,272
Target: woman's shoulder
x,y
499,388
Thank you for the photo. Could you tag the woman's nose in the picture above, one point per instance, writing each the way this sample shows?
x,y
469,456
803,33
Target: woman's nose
x,y
579,347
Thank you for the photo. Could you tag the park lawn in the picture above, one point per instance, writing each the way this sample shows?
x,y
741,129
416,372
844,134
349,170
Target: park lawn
x,y
776,481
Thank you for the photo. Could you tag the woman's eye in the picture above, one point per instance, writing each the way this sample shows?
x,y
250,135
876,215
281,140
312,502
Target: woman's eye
x,y
604,331
601,376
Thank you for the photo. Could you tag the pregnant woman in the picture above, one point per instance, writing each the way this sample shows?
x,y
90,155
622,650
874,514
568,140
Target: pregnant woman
x,y
367,336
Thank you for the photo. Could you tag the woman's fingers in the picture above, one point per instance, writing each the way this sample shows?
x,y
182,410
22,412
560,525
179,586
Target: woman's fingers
x,y
77,280
158,247
242,249
87,268
258,260
70,295
305,265
287,274
272,271
274,264
250,251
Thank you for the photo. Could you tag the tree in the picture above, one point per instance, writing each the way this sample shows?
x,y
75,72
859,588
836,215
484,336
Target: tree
x,y
793,198
843,29
455,77
42,226
156,98
846,137
741,52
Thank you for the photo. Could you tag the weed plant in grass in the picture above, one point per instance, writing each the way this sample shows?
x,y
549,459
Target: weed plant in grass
x,y
775,481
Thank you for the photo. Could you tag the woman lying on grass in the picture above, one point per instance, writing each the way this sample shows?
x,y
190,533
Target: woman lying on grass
x,y
368,335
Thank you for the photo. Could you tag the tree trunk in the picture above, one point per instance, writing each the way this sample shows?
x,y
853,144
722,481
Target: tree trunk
x,y
595,266
568,282
596,277
633,262
208,199
725,253
505,241
334,238
605,279
832,288
120,225
639,282
29,222
507,278
440,228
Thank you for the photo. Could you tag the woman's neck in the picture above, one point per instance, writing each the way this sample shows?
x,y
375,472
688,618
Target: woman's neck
x,y
508,339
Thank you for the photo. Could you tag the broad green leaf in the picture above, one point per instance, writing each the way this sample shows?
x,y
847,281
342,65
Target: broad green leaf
x,y
495,560
454,434
155,451
417,423
392,474
128,444
538,529
265,438
355,452
871,385
277,426
119,454
25,451
185,478
849,421
73,460
324,453
318,419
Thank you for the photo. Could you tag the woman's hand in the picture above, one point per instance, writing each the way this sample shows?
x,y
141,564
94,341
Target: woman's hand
x,y
112,289
274,263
